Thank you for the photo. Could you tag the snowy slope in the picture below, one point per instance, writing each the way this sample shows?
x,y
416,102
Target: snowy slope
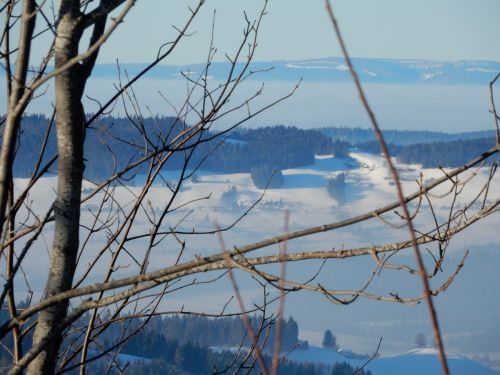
x,y
414,362
425,361
304,194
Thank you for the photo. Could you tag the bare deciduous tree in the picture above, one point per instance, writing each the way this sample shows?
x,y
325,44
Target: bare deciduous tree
x,y
89,255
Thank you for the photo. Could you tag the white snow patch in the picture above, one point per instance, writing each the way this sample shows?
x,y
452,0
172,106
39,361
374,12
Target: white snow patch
x,y
480,70
299,66
341,67
370,73
190,73
325,156
431,351
428,76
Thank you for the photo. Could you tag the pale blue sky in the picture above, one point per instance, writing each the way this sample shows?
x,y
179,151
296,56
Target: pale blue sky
x,y
300,29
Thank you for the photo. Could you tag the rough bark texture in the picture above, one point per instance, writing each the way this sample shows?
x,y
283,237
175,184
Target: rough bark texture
x,y
70,136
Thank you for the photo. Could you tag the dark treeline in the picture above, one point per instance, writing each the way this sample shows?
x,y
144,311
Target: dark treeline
x,y
185,345
436,154
113,143
400,137
177,353
182,345
110,145
192,359
445,154
218,332
373,147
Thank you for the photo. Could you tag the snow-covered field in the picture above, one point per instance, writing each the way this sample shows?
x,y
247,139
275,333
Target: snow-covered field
x,y
304,195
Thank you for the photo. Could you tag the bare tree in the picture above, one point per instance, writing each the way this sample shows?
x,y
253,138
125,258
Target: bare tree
x,y
101,264
71,71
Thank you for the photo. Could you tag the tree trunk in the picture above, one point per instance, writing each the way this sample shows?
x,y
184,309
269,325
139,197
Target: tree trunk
x,y
14,114
70,137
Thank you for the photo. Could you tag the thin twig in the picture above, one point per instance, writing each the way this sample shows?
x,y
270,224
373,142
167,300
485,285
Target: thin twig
x,y
494,110
400,195
281,304
372,357
244,316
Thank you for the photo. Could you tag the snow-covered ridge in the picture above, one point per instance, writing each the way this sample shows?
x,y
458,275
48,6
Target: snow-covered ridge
x,y
431,351
335,69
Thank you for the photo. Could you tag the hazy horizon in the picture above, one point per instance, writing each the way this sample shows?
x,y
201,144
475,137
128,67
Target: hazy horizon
x,y
445,108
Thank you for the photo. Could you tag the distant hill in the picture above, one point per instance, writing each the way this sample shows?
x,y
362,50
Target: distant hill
x,y
415,362
400,137
445,154
448,154
370,70
425,361
428,148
